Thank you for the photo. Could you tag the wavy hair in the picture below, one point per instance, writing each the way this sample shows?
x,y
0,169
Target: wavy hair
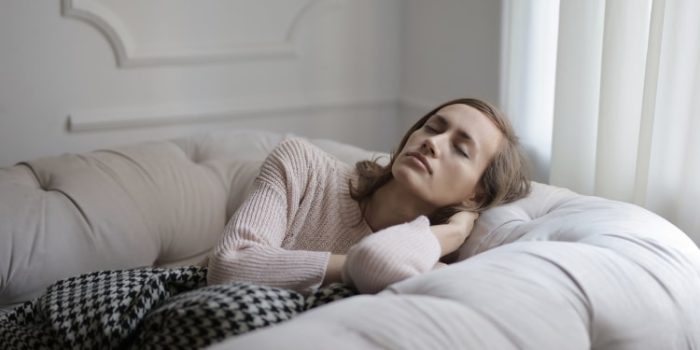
x,y
505,179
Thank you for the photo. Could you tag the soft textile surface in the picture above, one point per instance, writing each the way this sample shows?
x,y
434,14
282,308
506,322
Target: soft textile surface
x,y
556,270
553,271
151,308
159,203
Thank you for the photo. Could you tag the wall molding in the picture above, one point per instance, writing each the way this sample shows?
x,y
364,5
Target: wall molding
x,y
163,115
127,53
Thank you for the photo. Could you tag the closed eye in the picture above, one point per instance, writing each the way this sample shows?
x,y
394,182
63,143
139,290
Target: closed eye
x,y
429,129
461,151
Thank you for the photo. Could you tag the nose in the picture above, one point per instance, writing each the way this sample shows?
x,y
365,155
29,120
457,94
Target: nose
x,y
429,147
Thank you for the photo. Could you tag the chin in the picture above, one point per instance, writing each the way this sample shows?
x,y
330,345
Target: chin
x,y
412,182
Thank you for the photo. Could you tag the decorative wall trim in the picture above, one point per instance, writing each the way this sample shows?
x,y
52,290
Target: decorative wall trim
x,y
128,55
139,117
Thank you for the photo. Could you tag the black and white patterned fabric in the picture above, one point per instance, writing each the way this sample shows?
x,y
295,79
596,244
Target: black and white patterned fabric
x,y
151,308
328,294
198,318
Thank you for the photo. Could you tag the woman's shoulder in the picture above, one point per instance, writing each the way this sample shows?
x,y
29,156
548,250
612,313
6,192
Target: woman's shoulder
x,y
299,156
302,151
296,144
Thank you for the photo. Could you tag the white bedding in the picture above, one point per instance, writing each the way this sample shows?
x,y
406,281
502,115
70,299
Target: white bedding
x,y
556,270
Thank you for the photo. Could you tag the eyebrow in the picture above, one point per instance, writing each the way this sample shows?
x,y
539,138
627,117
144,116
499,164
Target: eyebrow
x,y
461,133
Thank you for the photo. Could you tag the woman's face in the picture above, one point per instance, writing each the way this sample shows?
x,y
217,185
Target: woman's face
x,y
443,161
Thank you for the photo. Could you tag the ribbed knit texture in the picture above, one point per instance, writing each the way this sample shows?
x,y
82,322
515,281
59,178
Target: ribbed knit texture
x,y
391,255
300,212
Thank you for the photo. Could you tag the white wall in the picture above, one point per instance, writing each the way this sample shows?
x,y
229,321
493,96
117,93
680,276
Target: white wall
x,y
449,49
77,75
328,70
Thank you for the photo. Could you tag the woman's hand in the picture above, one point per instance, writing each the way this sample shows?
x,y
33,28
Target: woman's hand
x,y
464,220
439,265
453,234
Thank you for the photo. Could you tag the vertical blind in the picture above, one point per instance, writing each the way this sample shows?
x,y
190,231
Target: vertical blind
x,y
624,105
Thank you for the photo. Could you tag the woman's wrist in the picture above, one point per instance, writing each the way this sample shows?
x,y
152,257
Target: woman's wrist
x,y
450,236
334,269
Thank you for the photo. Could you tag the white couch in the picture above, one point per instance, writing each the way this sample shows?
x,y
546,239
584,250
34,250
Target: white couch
x,y
554,270
157,203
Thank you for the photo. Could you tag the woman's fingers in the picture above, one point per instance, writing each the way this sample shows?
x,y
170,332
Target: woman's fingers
x,y
439,265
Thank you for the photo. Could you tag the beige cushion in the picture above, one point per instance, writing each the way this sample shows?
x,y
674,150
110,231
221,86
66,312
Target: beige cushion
x,y
155,203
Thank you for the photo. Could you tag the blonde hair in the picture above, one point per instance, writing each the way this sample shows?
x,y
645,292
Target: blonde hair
x,y
505,179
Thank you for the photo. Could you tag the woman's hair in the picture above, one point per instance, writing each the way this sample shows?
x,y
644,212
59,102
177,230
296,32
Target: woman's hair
x,y
505,179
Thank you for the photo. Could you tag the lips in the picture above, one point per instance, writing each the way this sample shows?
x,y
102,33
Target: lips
x,y
422,159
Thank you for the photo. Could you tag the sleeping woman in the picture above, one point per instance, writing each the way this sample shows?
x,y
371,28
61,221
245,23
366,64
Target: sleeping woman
x,y
312,220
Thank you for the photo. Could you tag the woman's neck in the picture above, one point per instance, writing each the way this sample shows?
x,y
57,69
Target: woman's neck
x,y
392,205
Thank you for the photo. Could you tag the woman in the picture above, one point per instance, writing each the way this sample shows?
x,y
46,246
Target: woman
x,y
313,220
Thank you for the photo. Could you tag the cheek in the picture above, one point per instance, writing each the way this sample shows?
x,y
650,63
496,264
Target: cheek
x,y
460,182
400,172
412,140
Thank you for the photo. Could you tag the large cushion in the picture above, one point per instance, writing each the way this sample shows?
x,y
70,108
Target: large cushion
x,y
157,203
556,270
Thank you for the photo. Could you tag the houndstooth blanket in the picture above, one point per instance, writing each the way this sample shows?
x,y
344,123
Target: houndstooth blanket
x,y
164,308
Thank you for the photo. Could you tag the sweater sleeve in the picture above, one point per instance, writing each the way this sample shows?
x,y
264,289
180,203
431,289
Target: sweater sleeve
x,y
250,249
391,255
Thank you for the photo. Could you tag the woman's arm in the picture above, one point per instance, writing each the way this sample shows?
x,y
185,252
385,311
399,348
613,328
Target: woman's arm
x,y
450,237
453,234
251,247
334,269
391,255
403,251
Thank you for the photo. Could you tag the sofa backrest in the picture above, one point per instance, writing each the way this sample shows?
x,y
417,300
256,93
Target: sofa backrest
x,y
159,203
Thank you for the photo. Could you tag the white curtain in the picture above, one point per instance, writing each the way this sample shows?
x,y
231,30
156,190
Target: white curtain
x,y
625,100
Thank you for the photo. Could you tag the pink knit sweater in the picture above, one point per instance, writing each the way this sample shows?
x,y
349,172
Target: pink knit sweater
x,y
300,212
